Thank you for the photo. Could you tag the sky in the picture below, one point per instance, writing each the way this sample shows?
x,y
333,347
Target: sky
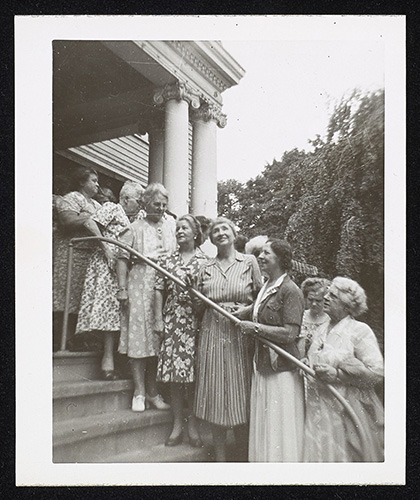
x,y
287,95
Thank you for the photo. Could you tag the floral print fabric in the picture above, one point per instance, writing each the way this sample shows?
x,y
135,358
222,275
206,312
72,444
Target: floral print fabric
x,y
177,353
83,208
138,338
99,307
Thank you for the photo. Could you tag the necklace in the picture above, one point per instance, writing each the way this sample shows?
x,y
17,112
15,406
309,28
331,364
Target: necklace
x,y
156,225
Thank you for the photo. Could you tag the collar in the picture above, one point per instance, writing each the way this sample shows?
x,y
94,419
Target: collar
x,y
238,256
273,288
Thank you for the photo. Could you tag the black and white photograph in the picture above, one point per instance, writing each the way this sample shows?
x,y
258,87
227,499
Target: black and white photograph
x,y
215,211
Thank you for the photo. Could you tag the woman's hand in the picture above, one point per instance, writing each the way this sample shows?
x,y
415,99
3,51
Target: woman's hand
x,y
325,372
305,361
159,326
122,296
109,256
247,327
241,312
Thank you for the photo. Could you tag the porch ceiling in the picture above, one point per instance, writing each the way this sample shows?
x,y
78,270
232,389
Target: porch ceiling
x,y
96,95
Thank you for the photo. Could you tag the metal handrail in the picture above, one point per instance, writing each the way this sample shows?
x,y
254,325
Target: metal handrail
x,y
366,451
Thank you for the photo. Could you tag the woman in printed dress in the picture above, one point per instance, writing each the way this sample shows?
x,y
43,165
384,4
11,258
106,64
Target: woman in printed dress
x,y
232,280
74,219
174,317
154,237
99,307
347,356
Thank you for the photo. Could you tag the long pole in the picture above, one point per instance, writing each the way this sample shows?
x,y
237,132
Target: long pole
x,y
67,298
367,453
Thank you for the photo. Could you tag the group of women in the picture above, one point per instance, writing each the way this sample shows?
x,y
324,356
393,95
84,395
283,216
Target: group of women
x,y
223,370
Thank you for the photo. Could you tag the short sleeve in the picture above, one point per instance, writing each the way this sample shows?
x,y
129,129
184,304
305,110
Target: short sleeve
x,y
293,306
71,201
200,277
127,238
106,214
160,280
256,275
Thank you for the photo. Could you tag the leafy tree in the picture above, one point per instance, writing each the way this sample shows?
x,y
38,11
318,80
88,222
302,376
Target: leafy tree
x,y
328,202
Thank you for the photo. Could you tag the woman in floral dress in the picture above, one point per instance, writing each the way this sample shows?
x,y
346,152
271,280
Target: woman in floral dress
x,y
154,237
74,219
175,317
99,307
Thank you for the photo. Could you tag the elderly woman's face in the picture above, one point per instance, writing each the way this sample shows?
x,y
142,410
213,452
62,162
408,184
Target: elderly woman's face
x,y
184,233
222,235
333,305
268,260
315,301
130,205
157,207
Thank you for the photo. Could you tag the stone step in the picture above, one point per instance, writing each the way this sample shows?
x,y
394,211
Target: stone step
x,y
93,438
164,454
82,399
183,452
76,366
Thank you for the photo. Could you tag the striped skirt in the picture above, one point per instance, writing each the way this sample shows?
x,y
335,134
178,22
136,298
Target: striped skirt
x,y
223,379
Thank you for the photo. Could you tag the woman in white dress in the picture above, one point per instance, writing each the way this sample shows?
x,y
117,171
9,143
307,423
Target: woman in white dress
x,y
347,356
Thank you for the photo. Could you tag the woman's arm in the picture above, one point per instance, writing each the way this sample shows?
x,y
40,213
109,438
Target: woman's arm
x,y
93,228
243,312
158,306
366,367
122,274
277,334
71,219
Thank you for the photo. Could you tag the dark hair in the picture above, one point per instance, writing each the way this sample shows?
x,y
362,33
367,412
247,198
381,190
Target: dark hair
x,y
107,192
204,222
283,250
81,176
195,226
314,285
240,243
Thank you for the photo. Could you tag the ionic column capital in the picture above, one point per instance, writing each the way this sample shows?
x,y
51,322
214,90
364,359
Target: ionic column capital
x,y
179,91
208,112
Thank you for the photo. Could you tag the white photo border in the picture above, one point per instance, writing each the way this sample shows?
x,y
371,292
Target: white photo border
x,y
33,174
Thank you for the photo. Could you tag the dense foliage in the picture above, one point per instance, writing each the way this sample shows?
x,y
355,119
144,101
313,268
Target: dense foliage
x,y
328,202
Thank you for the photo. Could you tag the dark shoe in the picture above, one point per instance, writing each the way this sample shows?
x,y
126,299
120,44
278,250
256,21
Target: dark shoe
x,y
157,402
196,442
174,441
109,375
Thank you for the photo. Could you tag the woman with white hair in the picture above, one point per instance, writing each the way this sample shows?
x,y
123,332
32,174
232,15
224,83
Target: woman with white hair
x,y
99,307
154,237
347,356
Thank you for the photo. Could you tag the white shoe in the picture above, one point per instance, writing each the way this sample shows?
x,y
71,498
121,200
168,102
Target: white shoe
x,y
138,403
157,402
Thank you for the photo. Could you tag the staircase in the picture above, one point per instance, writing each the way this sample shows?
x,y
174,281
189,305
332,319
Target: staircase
x,y
93,421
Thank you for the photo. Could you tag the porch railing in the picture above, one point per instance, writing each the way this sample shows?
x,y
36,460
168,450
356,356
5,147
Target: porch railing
x,y
366,451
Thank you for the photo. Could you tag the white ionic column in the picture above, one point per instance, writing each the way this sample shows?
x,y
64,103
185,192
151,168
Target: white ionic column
x,y
204,160
156,154
175,159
